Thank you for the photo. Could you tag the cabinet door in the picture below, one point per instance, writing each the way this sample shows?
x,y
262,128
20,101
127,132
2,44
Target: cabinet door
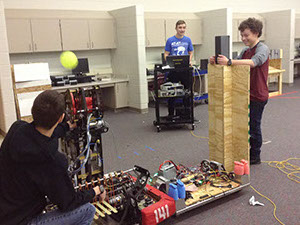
x,y
121,95
75,34
19,35
102,33
170,27
194,30
155,32
263,35
46,35
235,31
297,28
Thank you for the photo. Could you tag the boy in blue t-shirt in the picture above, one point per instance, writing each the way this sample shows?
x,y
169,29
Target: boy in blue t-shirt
x,y
178,45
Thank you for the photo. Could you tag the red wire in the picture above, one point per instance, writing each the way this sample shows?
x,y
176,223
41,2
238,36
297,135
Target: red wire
x,y
169,162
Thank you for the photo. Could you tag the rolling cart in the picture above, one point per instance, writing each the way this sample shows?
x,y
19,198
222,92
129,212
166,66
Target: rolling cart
x,y
184,114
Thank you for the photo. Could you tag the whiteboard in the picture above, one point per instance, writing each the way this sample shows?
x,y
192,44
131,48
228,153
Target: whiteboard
x,y
31,72
26,101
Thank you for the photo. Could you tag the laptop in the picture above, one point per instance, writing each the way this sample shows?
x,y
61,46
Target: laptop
x,y
178,61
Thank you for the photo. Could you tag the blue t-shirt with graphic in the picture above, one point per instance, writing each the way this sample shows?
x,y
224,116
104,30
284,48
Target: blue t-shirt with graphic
x,y
177,46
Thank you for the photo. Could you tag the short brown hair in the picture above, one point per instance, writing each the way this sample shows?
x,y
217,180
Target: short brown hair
x,y
47,107
179,22
253,24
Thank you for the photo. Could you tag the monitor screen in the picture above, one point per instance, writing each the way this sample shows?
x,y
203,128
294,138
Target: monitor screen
x,y
82,67
178,61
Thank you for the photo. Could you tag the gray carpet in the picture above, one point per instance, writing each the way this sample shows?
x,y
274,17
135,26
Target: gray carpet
x,y
133,140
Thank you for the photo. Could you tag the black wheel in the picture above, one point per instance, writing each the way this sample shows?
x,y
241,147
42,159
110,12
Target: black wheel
x,y
158,128
193,126
206,101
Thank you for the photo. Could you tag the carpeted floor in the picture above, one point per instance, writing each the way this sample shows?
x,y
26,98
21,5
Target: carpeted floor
x,y
133,140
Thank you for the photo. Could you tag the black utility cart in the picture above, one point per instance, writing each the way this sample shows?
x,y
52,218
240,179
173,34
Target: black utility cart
x,y
183,102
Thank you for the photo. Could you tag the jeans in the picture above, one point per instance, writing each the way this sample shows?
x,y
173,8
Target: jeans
x,y
256,111
82,215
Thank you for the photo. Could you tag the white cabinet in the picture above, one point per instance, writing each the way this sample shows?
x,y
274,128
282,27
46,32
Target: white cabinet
x,y
297,28
263,35
155,32
83,34
194,30
235,31
46,35
170,28
33,35
75,34
117,96
102,33
121,95
19,35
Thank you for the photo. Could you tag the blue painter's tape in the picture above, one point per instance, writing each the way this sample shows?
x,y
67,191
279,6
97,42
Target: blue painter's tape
x,y
119,157
136,153
150,148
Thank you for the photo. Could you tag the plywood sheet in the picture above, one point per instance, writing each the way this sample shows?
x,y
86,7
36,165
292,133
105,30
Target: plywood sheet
x,y
228,91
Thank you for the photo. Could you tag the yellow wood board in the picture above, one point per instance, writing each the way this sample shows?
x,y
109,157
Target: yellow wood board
x,y
207,191
228,93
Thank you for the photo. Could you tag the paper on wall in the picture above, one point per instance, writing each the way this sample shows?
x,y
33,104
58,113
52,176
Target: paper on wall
x,y
31,72
26,101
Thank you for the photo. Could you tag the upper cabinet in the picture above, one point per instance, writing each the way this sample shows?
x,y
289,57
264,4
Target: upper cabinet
x,y
46,35
102,33
194,30
236,37
19,35
170,27
155,32
75,34
297,28
83,34
33,35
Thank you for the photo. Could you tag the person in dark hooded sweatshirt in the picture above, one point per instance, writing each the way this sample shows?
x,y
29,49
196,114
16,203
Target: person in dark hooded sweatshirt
x,y
31,168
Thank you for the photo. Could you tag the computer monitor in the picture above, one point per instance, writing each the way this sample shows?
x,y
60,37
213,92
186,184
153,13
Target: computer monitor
x,y
178,61
82,67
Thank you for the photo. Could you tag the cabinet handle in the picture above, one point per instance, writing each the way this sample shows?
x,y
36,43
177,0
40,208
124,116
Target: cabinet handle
x,y
29,47
87,45
35,46
92,44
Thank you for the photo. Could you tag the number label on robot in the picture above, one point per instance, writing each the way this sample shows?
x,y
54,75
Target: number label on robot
x,y
161,213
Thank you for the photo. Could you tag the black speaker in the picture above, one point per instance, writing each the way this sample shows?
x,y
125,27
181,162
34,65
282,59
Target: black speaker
x,y
222,46
203,64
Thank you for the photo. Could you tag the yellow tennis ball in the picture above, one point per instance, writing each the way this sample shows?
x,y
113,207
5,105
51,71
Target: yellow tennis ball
x,y
68,60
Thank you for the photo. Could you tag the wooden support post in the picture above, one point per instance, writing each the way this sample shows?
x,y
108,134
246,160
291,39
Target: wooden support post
x,y
228,93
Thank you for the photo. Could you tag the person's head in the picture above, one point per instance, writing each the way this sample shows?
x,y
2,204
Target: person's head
x,y
48,109
180,27
251,30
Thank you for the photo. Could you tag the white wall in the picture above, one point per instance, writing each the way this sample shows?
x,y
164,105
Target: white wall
x,y
214,23
7,106
158,5
280,25
129,59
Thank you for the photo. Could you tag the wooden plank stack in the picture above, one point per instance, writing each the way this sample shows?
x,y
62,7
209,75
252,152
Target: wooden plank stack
x,y
228,93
